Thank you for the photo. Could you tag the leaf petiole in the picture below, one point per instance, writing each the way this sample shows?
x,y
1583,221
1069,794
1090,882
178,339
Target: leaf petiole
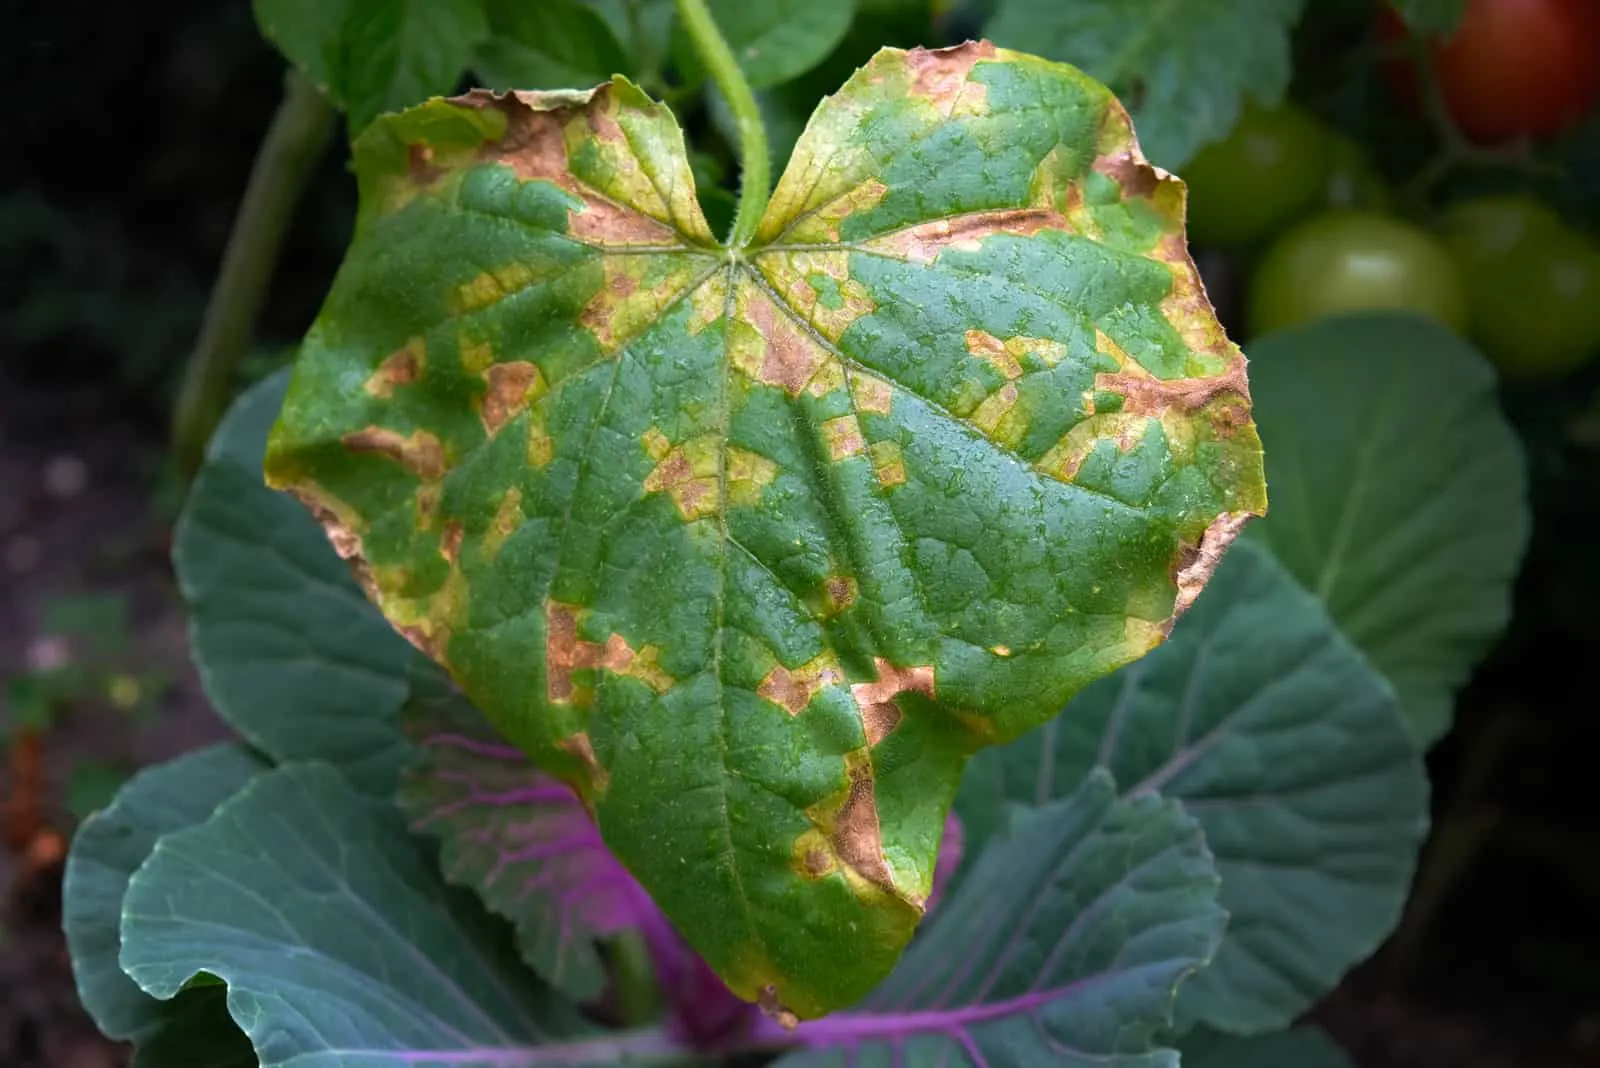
x,y
755,164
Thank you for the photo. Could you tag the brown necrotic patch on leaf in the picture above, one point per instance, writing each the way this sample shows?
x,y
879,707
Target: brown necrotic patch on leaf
x,y
879,712
776,350
943,76
397,369
793,690
341,534
689,475
567,653
512,386
450,541
535,147
421,453
992,351
857,837
1144,394
1196,564
579,746
840,592
924,242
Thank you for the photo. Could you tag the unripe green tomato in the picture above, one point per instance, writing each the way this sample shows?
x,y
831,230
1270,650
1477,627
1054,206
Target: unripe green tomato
x,y
1272,167
1346,261
1352,182
1533,283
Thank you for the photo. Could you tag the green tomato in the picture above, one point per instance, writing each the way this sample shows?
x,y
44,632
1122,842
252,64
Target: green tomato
x,y
1533,283
1345,261
1270,169
1352,181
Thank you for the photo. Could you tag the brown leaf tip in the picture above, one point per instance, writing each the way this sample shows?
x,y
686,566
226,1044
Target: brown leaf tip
x,y
1196,564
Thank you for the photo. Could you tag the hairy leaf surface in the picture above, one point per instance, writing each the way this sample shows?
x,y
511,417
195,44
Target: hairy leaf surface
x,y
1287,747
756,546
1064,948
1184,66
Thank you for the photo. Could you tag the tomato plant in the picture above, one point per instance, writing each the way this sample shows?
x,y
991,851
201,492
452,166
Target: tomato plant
x,y
1513,68
1272,166
1532,281
1344,261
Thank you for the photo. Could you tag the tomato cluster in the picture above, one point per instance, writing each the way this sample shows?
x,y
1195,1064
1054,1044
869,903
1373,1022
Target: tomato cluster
x,y
1505,269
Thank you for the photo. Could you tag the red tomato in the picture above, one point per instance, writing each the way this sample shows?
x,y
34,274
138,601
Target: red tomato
x,y
1514,68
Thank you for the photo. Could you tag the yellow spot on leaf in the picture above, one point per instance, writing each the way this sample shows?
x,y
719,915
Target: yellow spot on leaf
x,y
1126,429
656,445
747,473
998,418
821,225
507,519
541,448
767,345
887,463
475,356
871,394
844,437
491,287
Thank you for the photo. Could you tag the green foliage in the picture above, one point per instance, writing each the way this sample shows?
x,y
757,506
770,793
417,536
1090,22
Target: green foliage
x,y
372,56
547,45
1065,947
835,510
285,642
1182,68
1286,747
109,847
1399,494
381,965
1303,1047
774,41
1434,17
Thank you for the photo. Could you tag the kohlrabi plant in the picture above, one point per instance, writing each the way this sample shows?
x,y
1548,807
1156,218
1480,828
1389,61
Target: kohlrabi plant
x,y
666,634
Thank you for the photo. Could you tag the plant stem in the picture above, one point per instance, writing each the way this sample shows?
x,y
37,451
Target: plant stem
x,y
634,979
291,149
755,164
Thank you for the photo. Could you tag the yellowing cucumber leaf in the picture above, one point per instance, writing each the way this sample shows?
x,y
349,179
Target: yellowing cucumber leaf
x,y
755,546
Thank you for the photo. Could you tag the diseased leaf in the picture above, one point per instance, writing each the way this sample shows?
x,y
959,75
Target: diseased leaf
x,y
1288,748
523,841
1431,16
1400,495
550,44
1303,1047
774,41
108,848
339,945
289,651
372,56
755,546
1065,947
1183,66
